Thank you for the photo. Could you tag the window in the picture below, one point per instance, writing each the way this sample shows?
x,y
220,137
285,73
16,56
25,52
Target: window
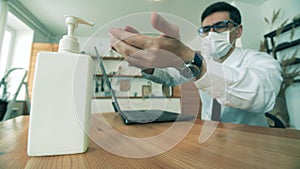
x,y
6,50
16,48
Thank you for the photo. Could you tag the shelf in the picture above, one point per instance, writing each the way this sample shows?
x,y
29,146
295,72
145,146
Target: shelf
x,y
137,97
297,61
139,80
270,38
109,58
285,29
286,45
296,81
121,76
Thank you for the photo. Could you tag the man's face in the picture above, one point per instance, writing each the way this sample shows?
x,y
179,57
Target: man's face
x,y
221,16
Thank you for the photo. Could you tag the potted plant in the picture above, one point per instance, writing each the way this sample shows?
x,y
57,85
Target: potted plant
x,y
289,74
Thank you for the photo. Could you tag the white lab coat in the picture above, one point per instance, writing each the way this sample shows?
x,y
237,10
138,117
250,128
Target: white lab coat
x,y
246,84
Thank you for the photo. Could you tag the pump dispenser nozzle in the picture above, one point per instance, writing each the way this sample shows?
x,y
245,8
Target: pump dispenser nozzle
x,y
69,42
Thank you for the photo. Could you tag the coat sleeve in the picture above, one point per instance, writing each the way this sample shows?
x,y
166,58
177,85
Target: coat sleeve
x,y
253,88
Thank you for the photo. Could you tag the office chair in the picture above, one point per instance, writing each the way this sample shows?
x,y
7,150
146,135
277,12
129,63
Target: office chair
x,y
277,123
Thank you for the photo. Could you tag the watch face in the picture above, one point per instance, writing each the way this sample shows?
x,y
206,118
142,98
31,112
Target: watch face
x,y
195,70
191,71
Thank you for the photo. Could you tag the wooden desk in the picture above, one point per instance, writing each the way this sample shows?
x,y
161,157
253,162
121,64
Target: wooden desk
x,y
231,146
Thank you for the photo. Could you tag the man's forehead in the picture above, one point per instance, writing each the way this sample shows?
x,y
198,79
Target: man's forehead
x,y
216,17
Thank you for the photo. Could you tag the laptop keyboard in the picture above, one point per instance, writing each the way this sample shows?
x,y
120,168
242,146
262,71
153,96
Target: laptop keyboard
x,y
147,114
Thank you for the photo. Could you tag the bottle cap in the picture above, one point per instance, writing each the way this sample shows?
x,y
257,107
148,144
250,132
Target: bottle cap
x,y
69,43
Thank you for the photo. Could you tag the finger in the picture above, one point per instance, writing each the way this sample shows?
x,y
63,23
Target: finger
x,y
113,40
133,39
121,34
131,29
117,35
122,47
128,29
169,29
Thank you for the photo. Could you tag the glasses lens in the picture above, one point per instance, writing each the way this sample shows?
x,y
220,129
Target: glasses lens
x,y
220,26
203,31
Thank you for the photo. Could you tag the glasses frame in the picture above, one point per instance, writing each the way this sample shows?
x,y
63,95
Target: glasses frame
x,y
203,31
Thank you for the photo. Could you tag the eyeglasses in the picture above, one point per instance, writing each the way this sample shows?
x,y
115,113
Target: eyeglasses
x,y
217,27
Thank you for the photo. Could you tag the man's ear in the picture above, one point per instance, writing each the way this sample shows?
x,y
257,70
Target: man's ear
x,y
239,31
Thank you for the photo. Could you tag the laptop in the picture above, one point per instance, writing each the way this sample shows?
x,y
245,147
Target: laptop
x,y
140,116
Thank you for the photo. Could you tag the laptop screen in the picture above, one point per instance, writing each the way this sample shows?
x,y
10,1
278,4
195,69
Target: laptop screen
x,y
106,79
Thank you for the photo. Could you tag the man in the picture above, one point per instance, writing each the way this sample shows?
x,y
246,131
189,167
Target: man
x,y
244,82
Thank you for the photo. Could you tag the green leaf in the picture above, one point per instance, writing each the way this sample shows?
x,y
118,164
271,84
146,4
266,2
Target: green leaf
x,y
292,33
275,15
280,29
266,20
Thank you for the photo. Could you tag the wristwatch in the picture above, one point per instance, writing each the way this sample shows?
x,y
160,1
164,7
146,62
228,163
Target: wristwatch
x,y
193,68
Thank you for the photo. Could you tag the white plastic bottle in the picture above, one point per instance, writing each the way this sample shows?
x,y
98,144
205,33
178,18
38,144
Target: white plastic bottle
x,y
61,98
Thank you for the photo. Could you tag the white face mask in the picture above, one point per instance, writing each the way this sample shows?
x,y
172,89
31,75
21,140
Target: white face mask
x,y
216,45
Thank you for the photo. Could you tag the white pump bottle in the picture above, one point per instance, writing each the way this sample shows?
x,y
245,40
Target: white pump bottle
x,y
61,98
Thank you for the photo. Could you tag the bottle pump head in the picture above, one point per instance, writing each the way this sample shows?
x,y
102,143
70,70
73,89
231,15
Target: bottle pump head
x,y
69,42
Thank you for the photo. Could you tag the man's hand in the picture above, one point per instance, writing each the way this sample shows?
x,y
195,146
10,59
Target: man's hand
x,y
142,51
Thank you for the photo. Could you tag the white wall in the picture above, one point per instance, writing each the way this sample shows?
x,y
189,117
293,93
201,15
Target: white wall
x,y
253,19
289,9
252,22
292,101
22,50
3,18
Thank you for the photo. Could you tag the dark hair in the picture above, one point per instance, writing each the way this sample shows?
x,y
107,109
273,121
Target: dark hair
x,y
234,13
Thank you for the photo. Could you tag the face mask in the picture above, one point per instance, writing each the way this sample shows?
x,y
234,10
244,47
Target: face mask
x,y
216,45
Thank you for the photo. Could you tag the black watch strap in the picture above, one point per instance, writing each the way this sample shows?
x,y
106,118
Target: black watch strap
x,y
193,68
197,60
196,64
